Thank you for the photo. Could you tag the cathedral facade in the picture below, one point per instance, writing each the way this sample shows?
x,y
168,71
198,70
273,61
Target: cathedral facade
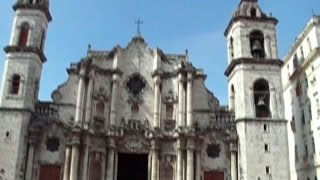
x,y
139,113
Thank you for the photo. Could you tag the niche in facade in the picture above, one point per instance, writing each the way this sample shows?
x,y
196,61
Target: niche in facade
x,y
53,144
213,150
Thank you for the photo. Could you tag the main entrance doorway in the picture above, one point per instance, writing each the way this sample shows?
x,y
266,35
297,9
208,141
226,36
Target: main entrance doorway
x,y
132,166
49,172
213,175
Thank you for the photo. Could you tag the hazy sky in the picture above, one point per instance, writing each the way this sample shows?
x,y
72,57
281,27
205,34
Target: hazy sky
x,y
171,25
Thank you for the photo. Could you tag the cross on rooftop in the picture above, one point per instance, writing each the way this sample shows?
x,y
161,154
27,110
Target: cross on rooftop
x,y
138,22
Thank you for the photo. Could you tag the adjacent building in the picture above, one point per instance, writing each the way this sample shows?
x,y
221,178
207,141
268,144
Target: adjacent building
x,y
300,79
139,113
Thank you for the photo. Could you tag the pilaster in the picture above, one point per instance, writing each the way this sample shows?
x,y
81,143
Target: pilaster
x,y
80,97
75,142
113,111
157,102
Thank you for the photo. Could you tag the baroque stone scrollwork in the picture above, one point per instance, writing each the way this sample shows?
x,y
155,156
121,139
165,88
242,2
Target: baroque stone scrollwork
x,y
101,95
170,97
134,136
134,144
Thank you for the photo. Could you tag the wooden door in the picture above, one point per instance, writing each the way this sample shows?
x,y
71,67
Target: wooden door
x,y
49,172
213,175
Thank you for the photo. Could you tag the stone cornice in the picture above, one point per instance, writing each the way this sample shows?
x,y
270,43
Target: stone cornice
x,y
245,18
261,120
311,57
16,109
17,49
236,62
42,8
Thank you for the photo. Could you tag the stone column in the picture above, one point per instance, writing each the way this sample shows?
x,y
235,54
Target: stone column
x,y
103,166
67,161
85,160
149,165
267,47
198,165
233,151
32,140
181,101
189,101
89,101
111,156
80,97
75,156
155,161
157,101
190,160
179,172
113,112
116,166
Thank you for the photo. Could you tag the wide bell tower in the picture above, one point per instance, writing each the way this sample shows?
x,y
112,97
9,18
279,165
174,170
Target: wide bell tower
x,y
255,93
20,84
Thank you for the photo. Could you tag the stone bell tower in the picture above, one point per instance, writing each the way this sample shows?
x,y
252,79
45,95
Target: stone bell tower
x,y
254,86
20,83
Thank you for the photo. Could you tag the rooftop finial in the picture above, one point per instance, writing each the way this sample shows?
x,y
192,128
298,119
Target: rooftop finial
x,y
187,55
138,22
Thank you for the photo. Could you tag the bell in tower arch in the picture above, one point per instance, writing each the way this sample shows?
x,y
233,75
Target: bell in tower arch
x,y
257,49
256,41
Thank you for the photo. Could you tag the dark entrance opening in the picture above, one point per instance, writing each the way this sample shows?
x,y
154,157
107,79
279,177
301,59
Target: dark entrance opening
x,y
132,166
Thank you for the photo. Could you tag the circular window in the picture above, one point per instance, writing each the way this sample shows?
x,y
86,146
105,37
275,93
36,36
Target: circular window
x,y
135,84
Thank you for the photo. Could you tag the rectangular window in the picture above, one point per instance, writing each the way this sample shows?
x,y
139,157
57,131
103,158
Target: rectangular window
x,y
310,112
313,146
296,153
306,150
302,53
303,120
266,147
295,62
265,128
268,170
298,89
293,124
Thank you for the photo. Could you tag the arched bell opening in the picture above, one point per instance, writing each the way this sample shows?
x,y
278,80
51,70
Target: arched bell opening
x,y
262,98
257,44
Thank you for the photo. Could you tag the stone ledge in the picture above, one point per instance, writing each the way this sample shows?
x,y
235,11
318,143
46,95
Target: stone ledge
x,y
17,49
236,62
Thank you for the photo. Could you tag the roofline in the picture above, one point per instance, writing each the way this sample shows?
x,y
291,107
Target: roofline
x,y
315,20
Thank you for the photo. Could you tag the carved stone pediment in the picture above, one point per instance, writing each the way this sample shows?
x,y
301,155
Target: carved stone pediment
x,y
134,144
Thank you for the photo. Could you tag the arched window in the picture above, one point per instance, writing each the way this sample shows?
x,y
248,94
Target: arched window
x,y
253,12
23,36
169,111
231,47
257,44
43,36
232,98
100,108
15,84
262,98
